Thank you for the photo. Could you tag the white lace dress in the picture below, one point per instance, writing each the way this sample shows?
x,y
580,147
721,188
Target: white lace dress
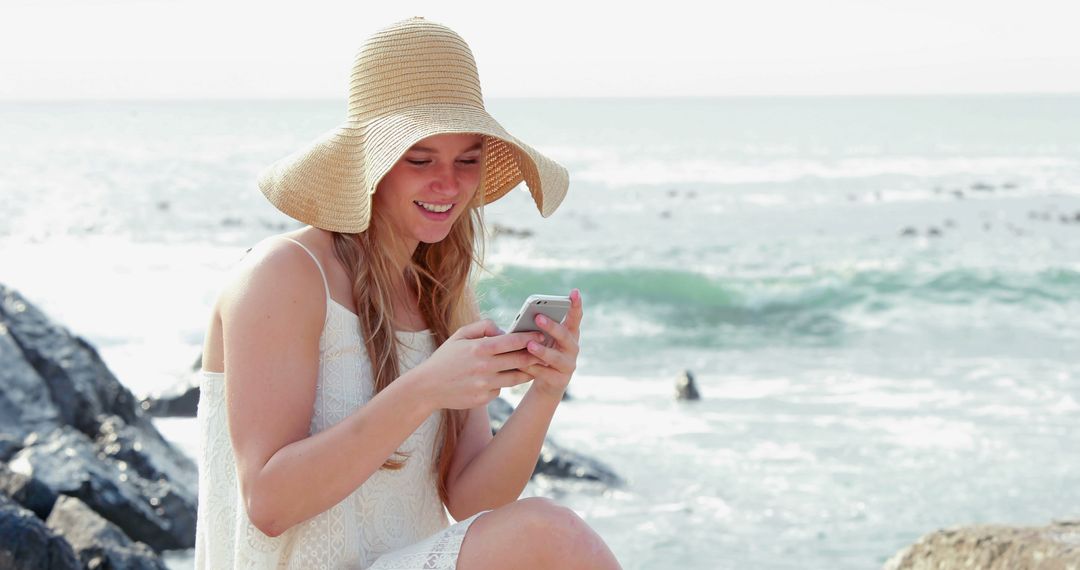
x,y
395,520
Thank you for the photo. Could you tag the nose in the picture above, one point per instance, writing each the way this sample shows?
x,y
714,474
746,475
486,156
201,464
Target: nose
x,y
445,180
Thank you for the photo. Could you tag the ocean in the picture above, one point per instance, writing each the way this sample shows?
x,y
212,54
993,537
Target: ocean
x,y
879,297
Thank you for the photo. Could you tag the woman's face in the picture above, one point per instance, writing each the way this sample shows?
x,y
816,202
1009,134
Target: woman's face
x,y
431,186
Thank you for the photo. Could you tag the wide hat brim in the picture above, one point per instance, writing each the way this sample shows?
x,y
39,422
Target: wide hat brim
x,y
330,183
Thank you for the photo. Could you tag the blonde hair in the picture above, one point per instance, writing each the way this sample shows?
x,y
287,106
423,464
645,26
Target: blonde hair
x,y
440,275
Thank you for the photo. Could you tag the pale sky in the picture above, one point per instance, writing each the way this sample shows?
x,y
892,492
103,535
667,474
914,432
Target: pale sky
x,y
168,49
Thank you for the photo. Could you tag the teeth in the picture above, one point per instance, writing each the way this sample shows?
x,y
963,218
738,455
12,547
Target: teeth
x,y
434,207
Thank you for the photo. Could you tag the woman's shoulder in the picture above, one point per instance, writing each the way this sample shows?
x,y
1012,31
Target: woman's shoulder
x,y
278,275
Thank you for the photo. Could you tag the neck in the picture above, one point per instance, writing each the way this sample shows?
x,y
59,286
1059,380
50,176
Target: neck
x,y
402,255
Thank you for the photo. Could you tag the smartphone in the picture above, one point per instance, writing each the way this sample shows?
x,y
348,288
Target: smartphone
x,y
553,307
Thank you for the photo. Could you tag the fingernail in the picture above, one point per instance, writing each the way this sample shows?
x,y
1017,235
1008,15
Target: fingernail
x,y
533,346
541,319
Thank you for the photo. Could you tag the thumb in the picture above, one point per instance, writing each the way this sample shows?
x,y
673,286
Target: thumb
x,y
479,329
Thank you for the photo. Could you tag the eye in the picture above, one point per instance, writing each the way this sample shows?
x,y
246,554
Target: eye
x,y
469,161
417,162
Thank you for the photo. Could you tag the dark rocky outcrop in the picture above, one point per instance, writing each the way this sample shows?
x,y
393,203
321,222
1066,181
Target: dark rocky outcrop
x,y
149,509
27,491
69,427
181,401
81,388
991,547
97,542
686,388
555,461
26,543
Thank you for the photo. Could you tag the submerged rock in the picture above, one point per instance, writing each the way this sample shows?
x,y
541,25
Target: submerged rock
x,y
991,547
181,401
555,461
686,388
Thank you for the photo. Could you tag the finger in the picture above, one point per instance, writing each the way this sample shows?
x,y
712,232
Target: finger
x,y
573,318
479,329
552,357
511,342
545,374
511,378
562,335
519,359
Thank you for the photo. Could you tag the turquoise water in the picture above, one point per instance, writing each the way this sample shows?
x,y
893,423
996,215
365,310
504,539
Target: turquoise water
x,y
878,296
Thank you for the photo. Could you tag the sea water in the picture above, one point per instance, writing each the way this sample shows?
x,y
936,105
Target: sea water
x,y
877,296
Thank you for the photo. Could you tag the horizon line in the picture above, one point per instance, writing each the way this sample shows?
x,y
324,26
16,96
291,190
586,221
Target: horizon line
x,y
226,99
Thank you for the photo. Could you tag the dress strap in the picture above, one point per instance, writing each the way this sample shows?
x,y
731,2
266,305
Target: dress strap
x,y
326,284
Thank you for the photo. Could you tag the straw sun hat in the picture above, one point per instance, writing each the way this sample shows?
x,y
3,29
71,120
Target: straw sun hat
x,y
409,81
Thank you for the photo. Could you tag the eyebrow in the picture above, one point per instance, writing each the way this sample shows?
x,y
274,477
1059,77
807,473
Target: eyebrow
x,y
418,148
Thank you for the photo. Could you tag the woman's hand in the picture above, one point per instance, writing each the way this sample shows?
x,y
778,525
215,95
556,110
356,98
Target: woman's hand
x,y
478,360
558,362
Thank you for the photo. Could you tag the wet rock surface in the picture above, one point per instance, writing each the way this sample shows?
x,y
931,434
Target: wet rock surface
x,y
26,543
70,429
556,461
991,547
97,542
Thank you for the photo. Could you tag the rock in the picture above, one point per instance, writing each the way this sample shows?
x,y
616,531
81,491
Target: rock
x,y
137,497
28,491
686,388
982,187
958,194
9,446
25,402
181,400
97,542
933,232
79,384
501,230
554,461
88,438
990,547
909,232
27,544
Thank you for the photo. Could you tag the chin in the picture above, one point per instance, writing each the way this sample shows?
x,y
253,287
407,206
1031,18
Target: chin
x,y
434,237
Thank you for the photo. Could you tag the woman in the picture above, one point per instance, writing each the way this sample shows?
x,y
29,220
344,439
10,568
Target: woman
x,y
346,371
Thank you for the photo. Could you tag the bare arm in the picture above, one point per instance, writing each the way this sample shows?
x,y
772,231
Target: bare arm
x,y
503,465
272,323
489,472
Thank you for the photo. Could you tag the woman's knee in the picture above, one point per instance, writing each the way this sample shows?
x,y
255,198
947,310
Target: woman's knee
x,y
536,532
560,525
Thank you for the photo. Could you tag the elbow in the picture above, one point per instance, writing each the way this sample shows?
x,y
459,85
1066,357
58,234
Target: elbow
x,y
455,509
262,515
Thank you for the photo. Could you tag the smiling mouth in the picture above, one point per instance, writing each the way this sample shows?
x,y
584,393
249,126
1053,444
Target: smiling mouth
x,y
434,208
